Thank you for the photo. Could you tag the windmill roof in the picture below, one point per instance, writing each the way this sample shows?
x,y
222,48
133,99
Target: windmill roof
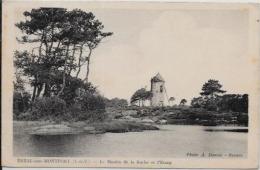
x,y
157,78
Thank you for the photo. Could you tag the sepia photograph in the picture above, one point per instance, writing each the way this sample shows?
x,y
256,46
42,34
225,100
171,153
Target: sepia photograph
x,y
147,82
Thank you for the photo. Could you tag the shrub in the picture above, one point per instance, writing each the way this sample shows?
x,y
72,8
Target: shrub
x,y
242,119
91,116
116,102
21,103
90,102
89,107
49,108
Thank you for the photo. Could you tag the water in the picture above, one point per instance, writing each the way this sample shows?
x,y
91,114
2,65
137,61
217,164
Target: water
x,y
171,141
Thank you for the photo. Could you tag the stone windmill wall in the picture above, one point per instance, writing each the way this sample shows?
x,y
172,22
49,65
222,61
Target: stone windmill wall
x,y
158,91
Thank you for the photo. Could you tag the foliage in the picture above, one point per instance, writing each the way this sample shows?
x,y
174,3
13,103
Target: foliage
x,y
234,102
18,83
171,99
212,88
90,102
183,102
242,119
210,94
21,98
116,102
140,96
197,102
60,38
48,107
72,89
61,42
211,100
211,103
21,102
225,103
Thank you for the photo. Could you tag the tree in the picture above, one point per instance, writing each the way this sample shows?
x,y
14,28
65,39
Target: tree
x,y
18,83
140,96
21,98
212,88
233,102
60,38
183,102
171,100
211,91
42,29
197,102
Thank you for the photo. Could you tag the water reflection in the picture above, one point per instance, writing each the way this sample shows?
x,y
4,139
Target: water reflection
x,y
227,130
170,141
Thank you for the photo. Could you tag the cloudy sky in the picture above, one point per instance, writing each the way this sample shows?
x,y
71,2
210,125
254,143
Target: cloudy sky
x,y
187,47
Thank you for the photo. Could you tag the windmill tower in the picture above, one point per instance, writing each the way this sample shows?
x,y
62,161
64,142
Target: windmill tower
x,y
158,91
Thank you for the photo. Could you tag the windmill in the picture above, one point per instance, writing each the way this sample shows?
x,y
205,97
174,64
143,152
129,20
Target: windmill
x,y
158,91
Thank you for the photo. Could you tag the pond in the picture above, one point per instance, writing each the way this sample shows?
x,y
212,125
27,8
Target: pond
x,y
171,141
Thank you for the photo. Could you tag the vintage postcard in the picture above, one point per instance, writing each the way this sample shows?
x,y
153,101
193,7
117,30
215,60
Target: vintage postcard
x,y
130,84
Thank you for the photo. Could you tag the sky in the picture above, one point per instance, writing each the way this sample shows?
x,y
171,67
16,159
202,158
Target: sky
x,y
187,47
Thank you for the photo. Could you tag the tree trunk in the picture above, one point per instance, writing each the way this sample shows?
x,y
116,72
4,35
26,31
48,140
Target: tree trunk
x,y
57,48
87,74
46,90
64,72
39,90
52,32
72,58
79,62
34,93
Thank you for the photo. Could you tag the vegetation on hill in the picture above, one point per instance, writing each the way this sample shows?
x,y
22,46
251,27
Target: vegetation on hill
x,y
61,43
212,99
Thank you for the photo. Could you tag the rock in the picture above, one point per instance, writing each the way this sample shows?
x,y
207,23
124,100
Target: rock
x,y
77,124
129,113
130,118
89,128
162,121
118,116
123,126
92,130
147,121
96,132
58,129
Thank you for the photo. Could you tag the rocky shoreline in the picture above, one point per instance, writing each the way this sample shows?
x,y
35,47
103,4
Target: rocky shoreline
x,y
133,119
179,116
68,128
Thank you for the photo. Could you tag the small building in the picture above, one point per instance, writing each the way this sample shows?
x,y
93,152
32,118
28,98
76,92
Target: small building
x,y
158,91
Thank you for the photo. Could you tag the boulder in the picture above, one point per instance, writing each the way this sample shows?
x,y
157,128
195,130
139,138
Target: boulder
x,y
129,112
162,121
92,130
147,121
129,118
89,128
58,129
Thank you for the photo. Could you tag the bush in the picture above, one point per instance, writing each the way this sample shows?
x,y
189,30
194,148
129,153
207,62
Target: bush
x,y
48,108
91,116
90,102
242,119
116,103
89,107
21,103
